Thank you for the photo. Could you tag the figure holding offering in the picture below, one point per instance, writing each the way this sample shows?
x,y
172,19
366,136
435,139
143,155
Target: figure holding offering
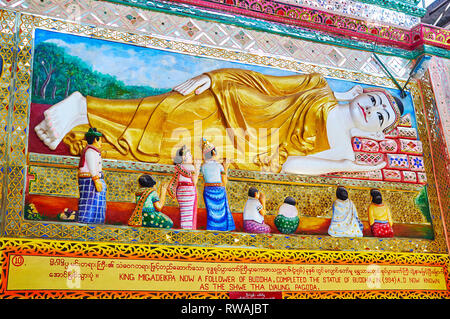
x,y
183,187
219,215
92,200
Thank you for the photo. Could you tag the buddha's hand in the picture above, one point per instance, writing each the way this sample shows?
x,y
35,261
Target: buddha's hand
x,y
199,84
354,92
350,94
379,136
352,166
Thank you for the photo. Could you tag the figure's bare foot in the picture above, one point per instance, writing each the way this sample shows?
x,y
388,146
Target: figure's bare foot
x,y
61,118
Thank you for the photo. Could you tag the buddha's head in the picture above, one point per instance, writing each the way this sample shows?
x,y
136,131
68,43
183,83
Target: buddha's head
x,y
376,110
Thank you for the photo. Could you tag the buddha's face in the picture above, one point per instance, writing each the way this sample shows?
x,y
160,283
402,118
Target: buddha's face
x,y
372,112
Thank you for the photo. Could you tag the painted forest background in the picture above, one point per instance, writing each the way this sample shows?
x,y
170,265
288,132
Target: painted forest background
x,y
57,74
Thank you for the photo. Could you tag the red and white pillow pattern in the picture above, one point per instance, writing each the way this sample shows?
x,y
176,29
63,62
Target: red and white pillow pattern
x,y
401,150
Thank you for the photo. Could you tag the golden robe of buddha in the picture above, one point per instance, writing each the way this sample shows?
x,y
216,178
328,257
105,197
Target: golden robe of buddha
x,y
270,117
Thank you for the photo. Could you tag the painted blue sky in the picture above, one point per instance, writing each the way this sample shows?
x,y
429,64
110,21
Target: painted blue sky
x,y
134,65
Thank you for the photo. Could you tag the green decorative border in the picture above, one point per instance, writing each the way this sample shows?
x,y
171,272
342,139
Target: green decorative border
x,y
44,160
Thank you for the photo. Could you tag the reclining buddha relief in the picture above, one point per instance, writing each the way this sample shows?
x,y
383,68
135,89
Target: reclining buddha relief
x,y
148,104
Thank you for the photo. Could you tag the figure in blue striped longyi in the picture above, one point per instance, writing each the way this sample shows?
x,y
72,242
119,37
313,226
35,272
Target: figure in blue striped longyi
x,y
92,187
219,215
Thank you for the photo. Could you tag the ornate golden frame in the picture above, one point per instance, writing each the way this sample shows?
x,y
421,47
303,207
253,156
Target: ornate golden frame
x,y
9,247
17,35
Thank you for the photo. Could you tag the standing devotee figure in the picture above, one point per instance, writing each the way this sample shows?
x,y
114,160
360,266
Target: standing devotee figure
x,y
219,215
92,200
345,221
183,187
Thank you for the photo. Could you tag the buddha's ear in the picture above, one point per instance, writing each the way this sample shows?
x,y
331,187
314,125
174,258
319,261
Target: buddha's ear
x,y
357,90
373,135
378,136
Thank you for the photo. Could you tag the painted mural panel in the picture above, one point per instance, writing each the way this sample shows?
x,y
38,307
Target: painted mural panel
x,y
152,154
153,108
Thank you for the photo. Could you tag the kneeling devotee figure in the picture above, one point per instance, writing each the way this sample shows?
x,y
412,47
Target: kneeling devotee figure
x,y
254,211
345,221
287,220
149,205
304,128
380,219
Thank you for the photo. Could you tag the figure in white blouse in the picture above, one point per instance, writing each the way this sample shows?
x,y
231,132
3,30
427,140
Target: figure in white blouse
x,y
92,200
254,212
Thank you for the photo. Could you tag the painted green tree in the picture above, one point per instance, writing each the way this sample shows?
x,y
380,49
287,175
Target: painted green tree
x,y
421,202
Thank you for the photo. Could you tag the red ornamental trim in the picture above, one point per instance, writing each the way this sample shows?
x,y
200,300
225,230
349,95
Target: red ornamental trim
x,y
435,36
310,18
324,21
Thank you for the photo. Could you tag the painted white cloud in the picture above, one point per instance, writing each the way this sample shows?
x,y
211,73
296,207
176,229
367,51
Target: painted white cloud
x,y
168,60
129,66
143,67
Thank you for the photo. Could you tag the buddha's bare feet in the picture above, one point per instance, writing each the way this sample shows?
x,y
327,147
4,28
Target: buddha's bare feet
x,y
61,118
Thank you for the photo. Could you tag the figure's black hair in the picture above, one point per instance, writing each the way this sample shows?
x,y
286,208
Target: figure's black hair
x,y
179,155
374,192
91,138
400,104
252,191
146,180
290,200
376,196
341,193
210,154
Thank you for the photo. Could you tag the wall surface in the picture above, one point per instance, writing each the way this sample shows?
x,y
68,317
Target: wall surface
x,y
137,50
